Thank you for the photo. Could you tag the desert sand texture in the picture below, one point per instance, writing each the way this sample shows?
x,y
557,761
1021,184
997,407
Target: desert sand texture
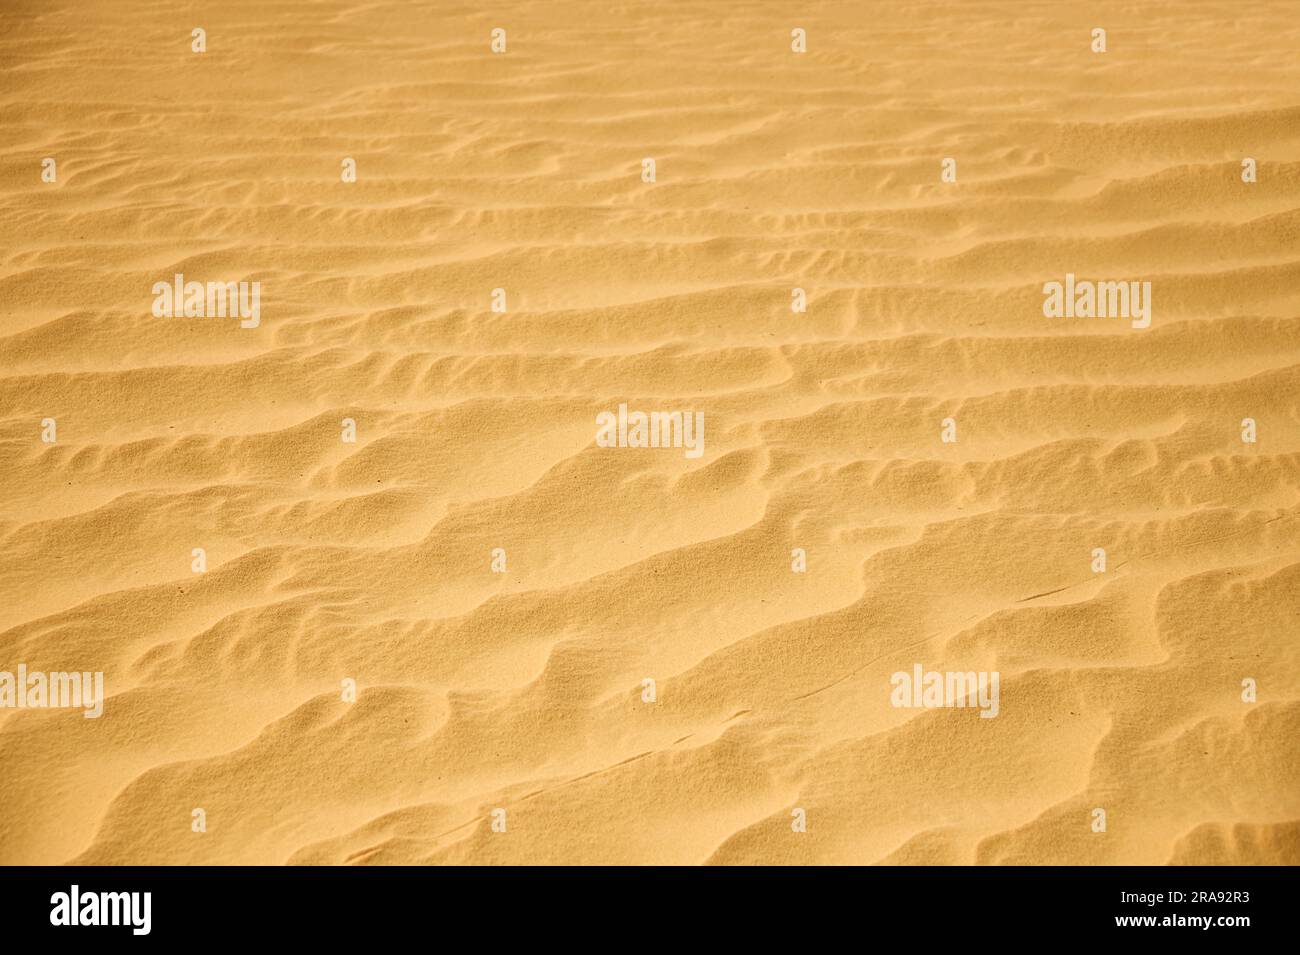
x,y
943,458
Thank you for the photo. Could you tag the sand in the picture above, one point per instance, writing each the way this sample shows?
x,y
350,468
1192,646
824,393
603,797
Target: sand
x,y
504,717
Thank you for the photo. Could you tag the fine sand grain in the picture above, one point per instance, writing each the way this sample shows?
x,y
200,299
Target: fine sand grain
x,y
523,691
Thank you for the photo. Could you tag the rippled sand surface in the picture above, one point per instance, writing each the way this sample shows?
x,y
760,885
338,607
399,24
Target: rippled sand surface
x,y
524,691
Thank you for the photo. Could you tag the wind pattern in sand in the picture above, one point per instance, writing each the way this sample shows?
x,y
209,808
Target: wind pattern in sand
x,y
524,690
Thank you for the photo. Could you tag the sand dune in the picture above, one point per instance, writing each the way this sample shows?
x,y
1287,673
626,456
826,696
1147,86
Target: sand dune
x,y
522,691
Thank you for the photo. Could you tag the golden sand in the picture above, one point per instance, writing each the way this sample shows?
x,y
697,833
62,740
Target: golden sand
x,y
523,691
